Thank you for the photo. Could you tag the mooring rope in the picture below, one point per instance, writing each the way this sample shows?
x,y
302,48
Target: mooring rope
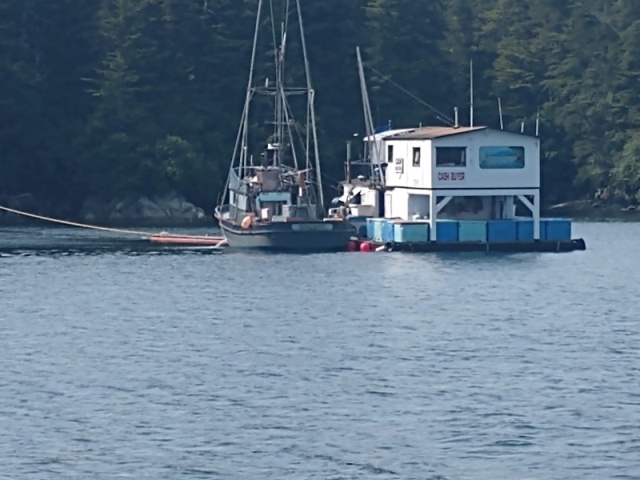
x,y
104,229
75,224
146,235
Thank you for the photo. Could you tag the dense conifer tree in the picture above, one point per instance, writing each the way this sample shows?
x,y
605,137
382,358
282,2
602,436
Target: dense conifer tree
x,y
105,96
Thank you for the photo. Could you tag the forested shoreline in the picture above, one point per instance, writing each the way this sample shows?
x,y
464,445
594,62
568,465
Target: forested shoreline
x,y
100,98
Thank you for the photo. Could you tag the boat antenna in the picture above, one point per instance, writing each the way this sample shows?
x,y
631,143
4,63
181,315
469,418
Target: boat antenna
x,y
348,166
538,122
471,93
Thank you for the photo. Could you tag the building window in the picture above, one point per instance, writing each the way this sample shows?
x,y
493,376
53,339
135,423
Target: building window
x,y
390,154
502,157
416,156
451,156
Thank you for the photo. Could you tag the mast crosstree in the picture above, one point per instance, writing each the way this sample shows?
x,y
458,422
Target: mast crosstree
x,y
292,146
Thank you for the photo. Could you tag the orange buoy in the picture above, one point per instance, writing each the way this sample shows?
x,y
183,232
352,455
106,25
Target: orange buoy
x,y
247,222
365,247
352,246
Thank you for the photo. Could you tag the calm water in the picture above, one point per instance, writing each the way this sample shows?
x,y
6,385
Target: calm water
x,y
121,360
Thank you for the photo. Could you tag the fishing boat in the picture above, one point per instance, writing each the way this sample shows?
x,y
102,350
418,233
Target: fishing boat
x,y
276,202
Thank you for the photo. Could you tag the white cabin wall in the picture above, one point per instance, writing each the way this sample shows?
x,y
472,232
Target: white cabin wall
x,y
412,177
404,203
371,196
452,177
388,204
397,204
401,209
477,177
427,169
419,176
398,168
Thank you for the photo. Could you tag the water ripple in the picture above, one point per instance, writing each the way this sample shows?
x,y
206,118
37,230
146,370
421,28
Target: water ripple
x,y
121,361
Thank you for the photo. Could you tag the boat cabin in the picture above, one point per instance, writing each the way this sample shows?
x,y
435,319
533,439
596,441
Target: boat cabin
x,y
274,196
461,173
365,178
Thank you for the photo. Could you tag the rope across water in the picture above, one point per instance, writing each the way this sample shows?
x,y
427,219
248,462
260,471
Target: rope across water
x,y
75,224
185,239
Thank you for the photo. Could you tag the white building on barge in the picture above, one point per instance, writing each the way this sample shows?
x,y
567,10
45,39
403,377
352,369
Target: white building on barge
x,y
461,173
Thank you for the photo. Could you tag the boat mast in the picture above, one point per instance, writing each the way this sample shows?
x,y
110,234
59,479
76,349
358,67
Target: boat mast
x,y
372,145
311,118
250,89
280,95
281,119
240,148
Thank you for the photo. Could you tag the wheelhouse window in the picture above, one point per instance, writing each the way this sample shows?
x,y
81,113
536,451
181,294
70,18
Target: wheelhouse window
x,y
451,156
390,154
502,157
416,157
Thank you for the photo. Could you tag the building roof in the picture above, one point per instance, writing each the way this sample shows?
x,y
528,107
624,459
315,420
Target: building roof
x,y
429,133
387,133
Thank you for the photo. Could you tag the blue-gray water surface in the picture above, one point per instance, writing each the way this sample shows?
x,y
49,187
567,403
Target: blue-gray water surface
x,y
123,360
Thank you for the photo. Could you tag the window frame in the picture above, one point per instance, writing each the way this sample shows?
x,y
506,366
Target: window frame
x,y
521,153
461,150
415,159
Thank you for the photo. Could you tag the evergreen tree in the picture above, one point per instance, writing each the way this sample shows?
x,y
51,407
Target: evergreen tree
x,y
107,96
21,96
405,38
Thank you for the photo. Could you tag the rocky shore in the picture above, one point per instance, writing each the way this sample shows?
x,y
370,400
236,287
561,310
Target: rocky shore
x,y
171,209
594,209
